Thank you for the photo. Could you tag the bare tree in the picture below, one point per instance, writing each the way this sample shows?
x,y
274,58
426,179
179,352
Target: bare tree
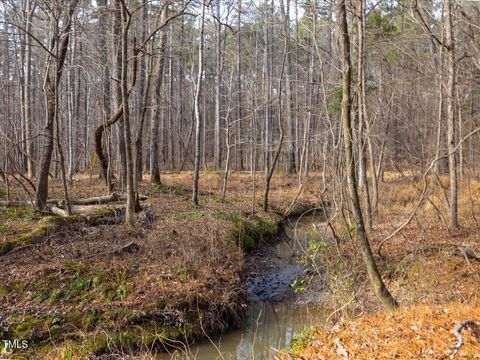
x,y
198,89
57,53
375,278
157,101
451,93
131,191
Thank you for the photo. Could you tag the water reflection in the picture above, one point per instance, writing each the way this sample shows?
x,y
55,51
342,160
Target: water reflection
x,y
269,328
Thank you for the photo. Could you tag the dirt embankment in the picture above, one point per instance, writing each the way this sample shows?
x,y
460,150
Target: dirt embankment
x,y
80,292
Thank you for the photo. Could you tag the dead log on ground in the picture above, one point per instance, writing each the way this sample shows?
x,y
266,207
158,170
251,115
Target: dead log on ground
x,y
114,197
91,210
20,203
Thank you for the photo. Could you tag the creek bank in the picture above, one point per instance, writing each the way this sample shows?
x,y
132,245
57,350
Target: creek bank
x,y
100,305
284,293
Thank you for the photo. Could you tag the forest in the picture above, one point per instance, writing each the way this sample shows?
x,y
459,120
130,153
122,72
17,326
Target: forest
x,y
239,179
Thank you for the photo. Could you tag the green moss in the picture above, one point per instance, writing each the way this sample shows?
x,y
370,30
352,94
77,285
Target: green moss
x,y
81,334
248,233
74,267
5,228
171,189
31,328
45,226
3,292
14,213
103,211
82,320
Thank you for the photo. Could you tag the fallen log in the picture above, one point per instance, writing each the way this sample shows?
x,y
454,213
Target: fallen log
x,y
19,203
105,199
58,211
91,210
87,210
97,200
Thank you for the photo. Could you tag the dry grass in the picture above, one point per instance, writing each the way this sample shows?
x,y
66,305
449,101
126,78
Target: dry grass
x,y
418,332
421,265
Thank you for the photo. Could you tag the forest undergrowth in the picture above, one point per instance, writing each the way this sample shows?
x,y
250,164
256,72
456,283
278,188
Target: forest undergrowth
x,y
432,271
92,287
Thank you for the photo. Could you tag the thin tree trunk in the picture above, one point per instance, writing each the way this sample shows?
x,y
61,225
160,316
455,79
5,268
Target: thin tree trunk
x,y
198,89
362,115
30,8
157,101
51,89
291,166
130,209
452,163
117,60
218,99
375,278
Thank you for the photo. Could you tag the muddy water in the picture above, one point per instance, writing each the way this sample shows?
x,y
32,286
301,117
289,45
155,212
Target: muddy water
x,y
276,314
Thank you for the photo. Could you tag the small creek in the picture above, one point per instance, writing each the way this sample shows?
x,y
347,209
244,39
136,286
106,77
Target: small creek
x,y
276,314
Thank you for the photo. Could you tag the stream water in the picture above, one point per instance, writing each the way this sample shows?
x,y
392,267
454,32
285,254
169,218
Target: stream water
x,y
276,314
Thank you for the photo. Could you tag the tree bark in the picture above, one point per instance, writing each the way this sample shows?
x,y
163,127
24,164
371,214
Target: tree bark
x,y
117,69
157,101
375,278
362,115
218,89
51,88
198,89
291,166
451,84
30,8
130,210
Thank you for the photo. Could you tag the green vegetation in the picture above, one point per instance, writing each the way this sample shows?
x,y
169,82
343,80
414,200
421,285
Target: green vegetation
x,y
300,342
44,227
171,189
250,232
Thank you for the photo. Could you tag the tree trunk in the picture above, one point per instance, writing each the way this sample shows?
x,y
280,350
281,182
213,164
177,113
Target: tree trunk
x,y
198,88
117,61
157,101
27,93
451,80
362,115
51,91
143,110
130,210
371,267
218,99
291,166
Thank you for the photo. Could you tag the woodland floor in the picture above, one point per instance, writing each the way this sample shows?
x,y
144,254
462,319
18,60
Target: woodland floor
x,y
434,284
77,293
71,296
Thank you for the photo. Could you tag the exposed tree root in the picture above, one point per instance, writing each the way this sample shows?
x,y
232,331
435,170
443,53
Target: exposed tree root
x,y
466,324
